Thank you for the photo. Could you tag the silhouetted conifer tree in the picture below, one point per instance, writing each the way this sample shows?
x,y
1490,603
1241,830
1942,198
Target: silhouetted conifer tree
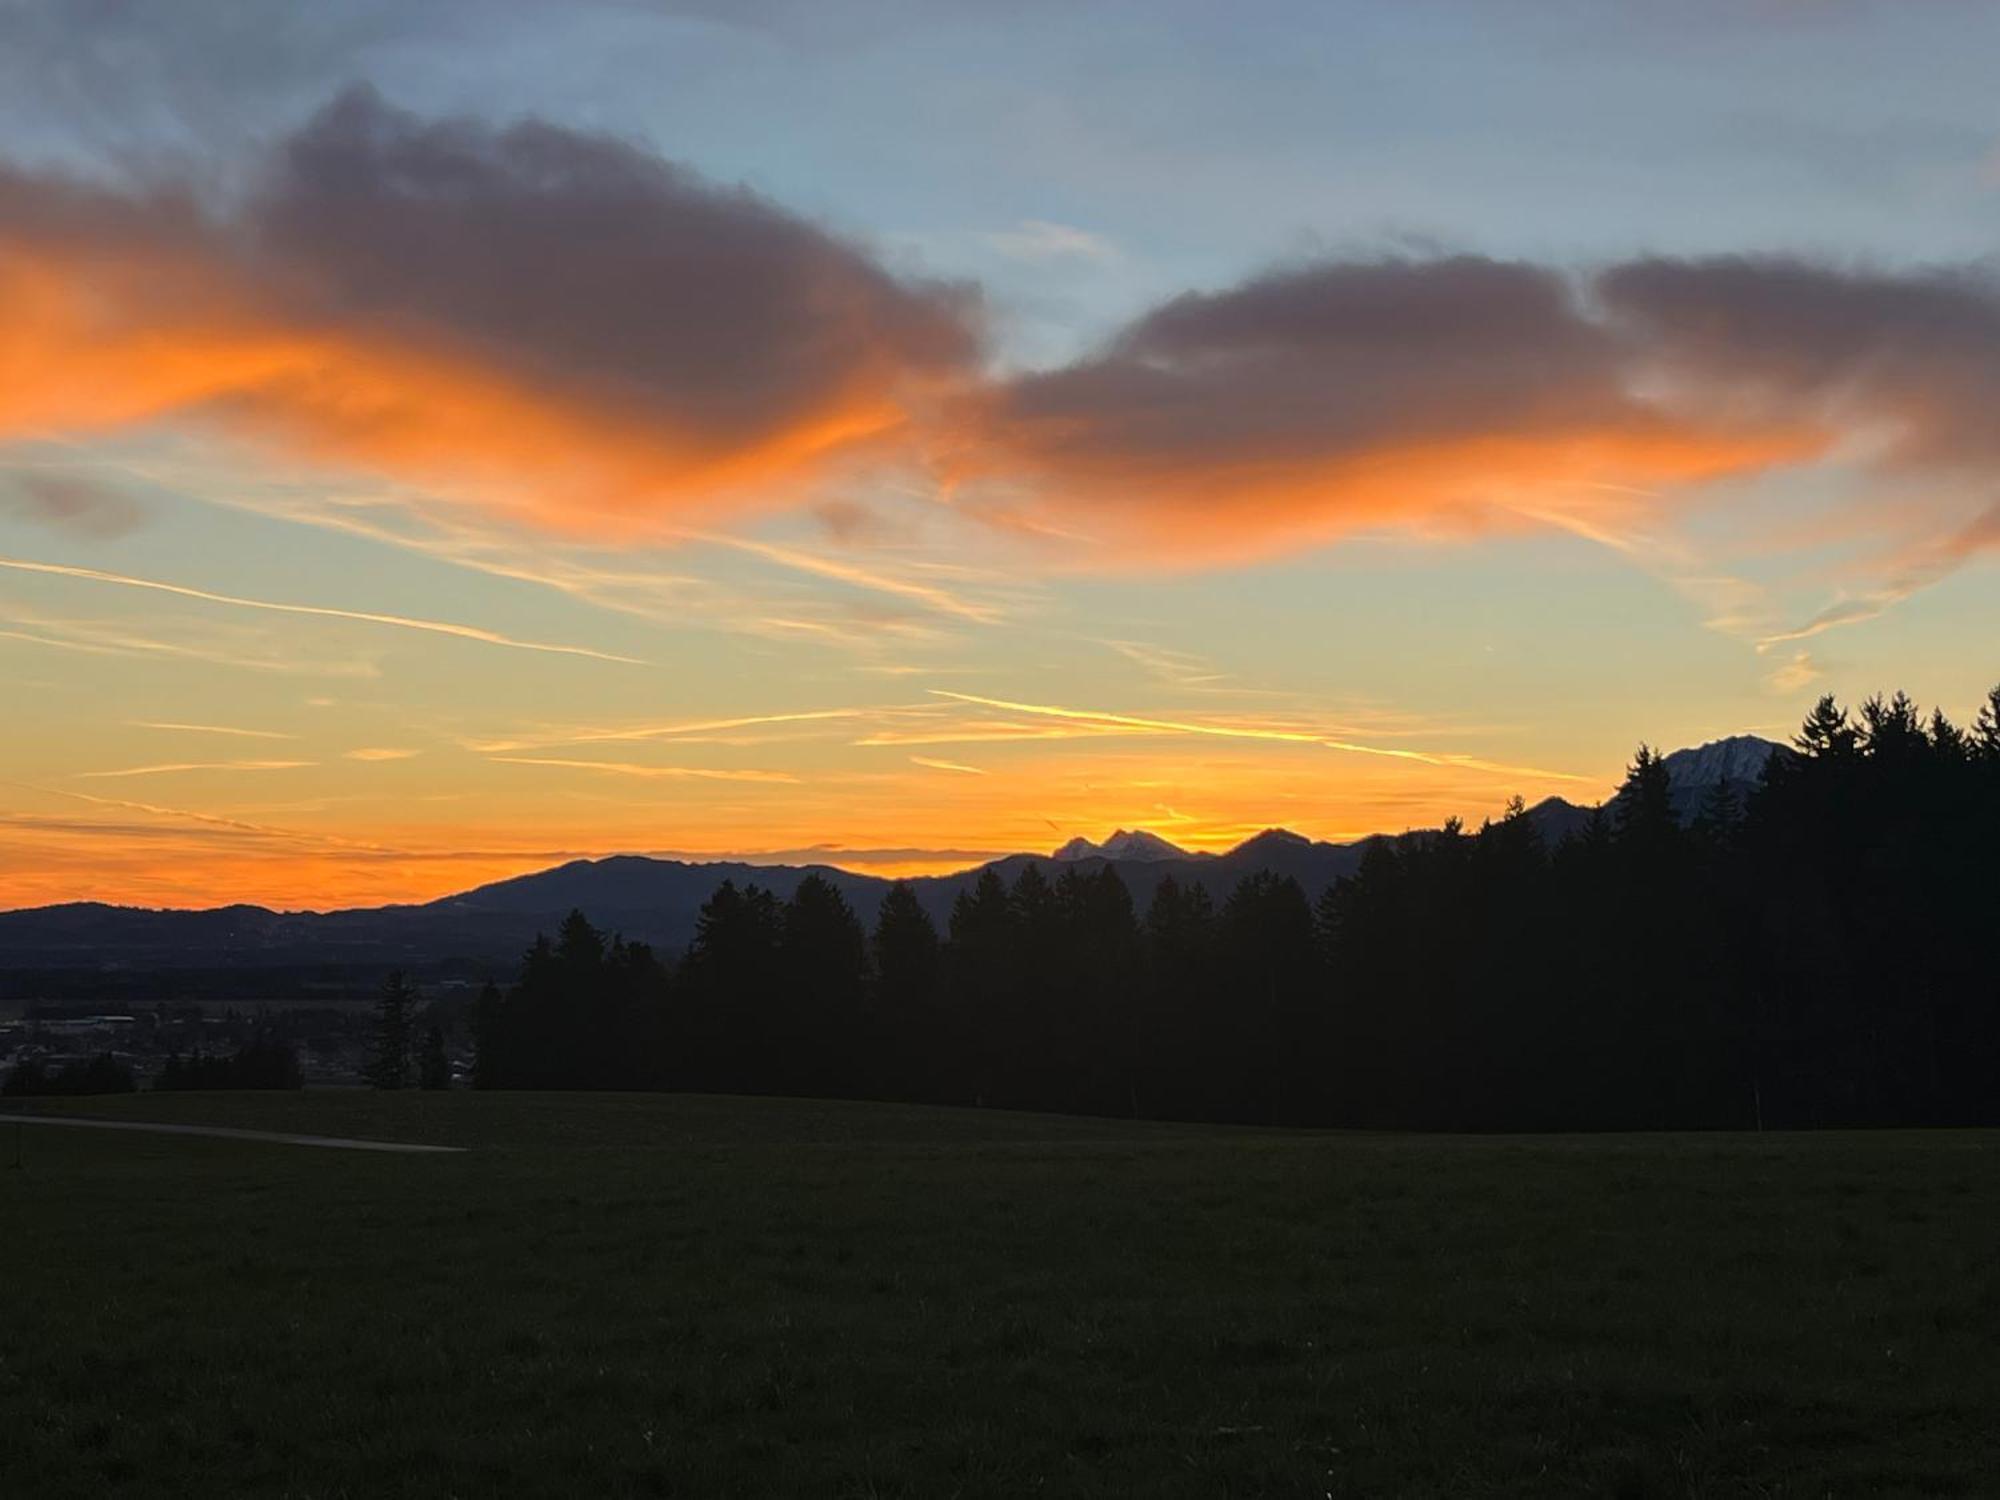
x,y
1176,1058
731,981
1268,958
390,1067
433,1067
816,1032
489,1038
914,1051
981,958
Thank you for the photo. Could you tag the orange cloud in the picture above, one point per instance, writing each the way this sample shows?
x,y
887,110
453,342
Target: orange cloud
x,y
595,339
554,321
1453,395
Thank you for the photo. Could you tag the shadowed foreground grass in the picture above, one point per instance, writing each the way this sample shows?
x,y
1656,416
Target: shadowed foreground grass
x,y
695,1296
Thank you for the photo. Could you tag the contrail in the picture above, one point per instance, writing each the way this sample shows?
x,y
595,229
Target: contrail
x,y
592,734
626,768
1238,732
229,729
941,600
203,765
946,765
404,622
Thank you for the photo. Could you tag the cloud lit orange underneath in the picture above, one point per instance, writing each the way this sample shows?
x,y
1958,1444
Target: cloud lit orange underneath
x,y
92,343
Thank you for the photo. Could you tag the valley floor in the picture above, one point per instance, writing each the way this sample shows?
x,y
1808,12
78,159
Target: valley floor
x,y
696,1296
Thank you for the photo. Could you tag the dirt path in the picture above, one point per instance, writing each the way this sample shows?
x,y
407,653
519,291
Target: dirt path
x,y
222,1132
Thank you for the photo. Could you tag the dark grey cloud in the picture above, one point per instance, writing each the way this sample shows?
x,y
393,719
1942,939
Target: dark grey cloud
x,y
1459,393
1314,362
582,259
561,318
70,504
1331,396
1912,356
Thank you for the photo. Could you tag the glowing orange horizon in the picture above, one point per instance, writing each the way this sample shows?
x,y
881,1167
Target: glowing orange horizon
x,y
139,848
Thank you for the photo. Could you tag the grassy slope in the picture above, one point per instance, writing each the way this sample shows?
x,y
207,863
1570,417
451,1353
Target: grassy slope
x,y
703,1297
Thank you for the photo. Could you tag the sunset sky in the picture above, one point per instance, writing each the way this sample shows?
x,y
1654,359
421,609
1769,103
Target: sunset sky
x,y
439,441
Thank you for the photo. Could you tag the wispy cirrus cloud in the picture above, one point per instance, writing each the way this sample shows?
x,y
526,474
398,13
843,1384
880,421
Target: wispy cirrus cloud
x,y
649,772
946,765
665,577
680,729
231,730
172,768
1916,568
1797,672
322,611
119,638
1114,722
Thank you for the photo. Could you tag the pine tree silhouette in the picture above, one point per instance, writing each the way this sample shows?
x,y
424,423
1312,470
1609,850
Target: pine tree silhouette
x,y
390,1068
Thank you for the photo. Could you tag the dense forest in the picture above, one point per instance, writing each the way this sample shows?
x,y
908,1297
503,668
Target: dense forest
x,y
1821,952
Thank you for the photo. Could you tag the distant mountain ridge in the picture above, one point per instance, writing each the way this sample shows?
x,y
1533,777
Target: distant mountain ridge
x,y
656,900
1135,843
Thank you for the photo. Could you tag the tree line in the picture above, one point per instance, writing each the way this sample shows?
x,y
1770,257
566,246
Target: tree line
x,y
1819,952
34,1078
262,1062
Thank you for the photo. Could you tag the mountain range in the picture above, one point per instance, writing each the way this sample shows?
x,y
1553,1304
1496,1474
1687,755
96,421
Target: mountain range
x,y
656,900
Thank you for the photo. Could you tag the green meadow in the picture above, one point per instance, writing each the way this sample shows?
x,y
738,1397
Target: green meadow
x,y
674,1295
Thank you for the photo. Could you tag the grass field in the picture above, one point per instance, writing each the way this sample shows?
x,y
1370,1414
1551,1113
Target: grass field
x,y
694,1296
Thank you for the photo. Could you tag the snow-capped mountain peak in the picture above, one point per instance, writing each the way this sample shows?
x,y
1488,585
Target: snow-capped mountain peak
x,y
1740,758
1139,844
1135,844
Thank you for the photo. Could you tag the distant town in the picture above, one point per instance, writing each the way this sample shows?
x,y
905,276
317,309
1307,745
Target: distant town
x,y
332,1038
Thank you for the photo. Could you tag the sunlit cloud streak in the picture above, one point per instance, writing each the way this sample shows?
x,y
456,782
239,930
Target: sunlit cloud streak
x,y
176,767
991,732
930,596
680,730
223,729
627,768
947,765
211,820
635,580
1915,570
401,622
101,638
1248,732
1798,672
329,843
